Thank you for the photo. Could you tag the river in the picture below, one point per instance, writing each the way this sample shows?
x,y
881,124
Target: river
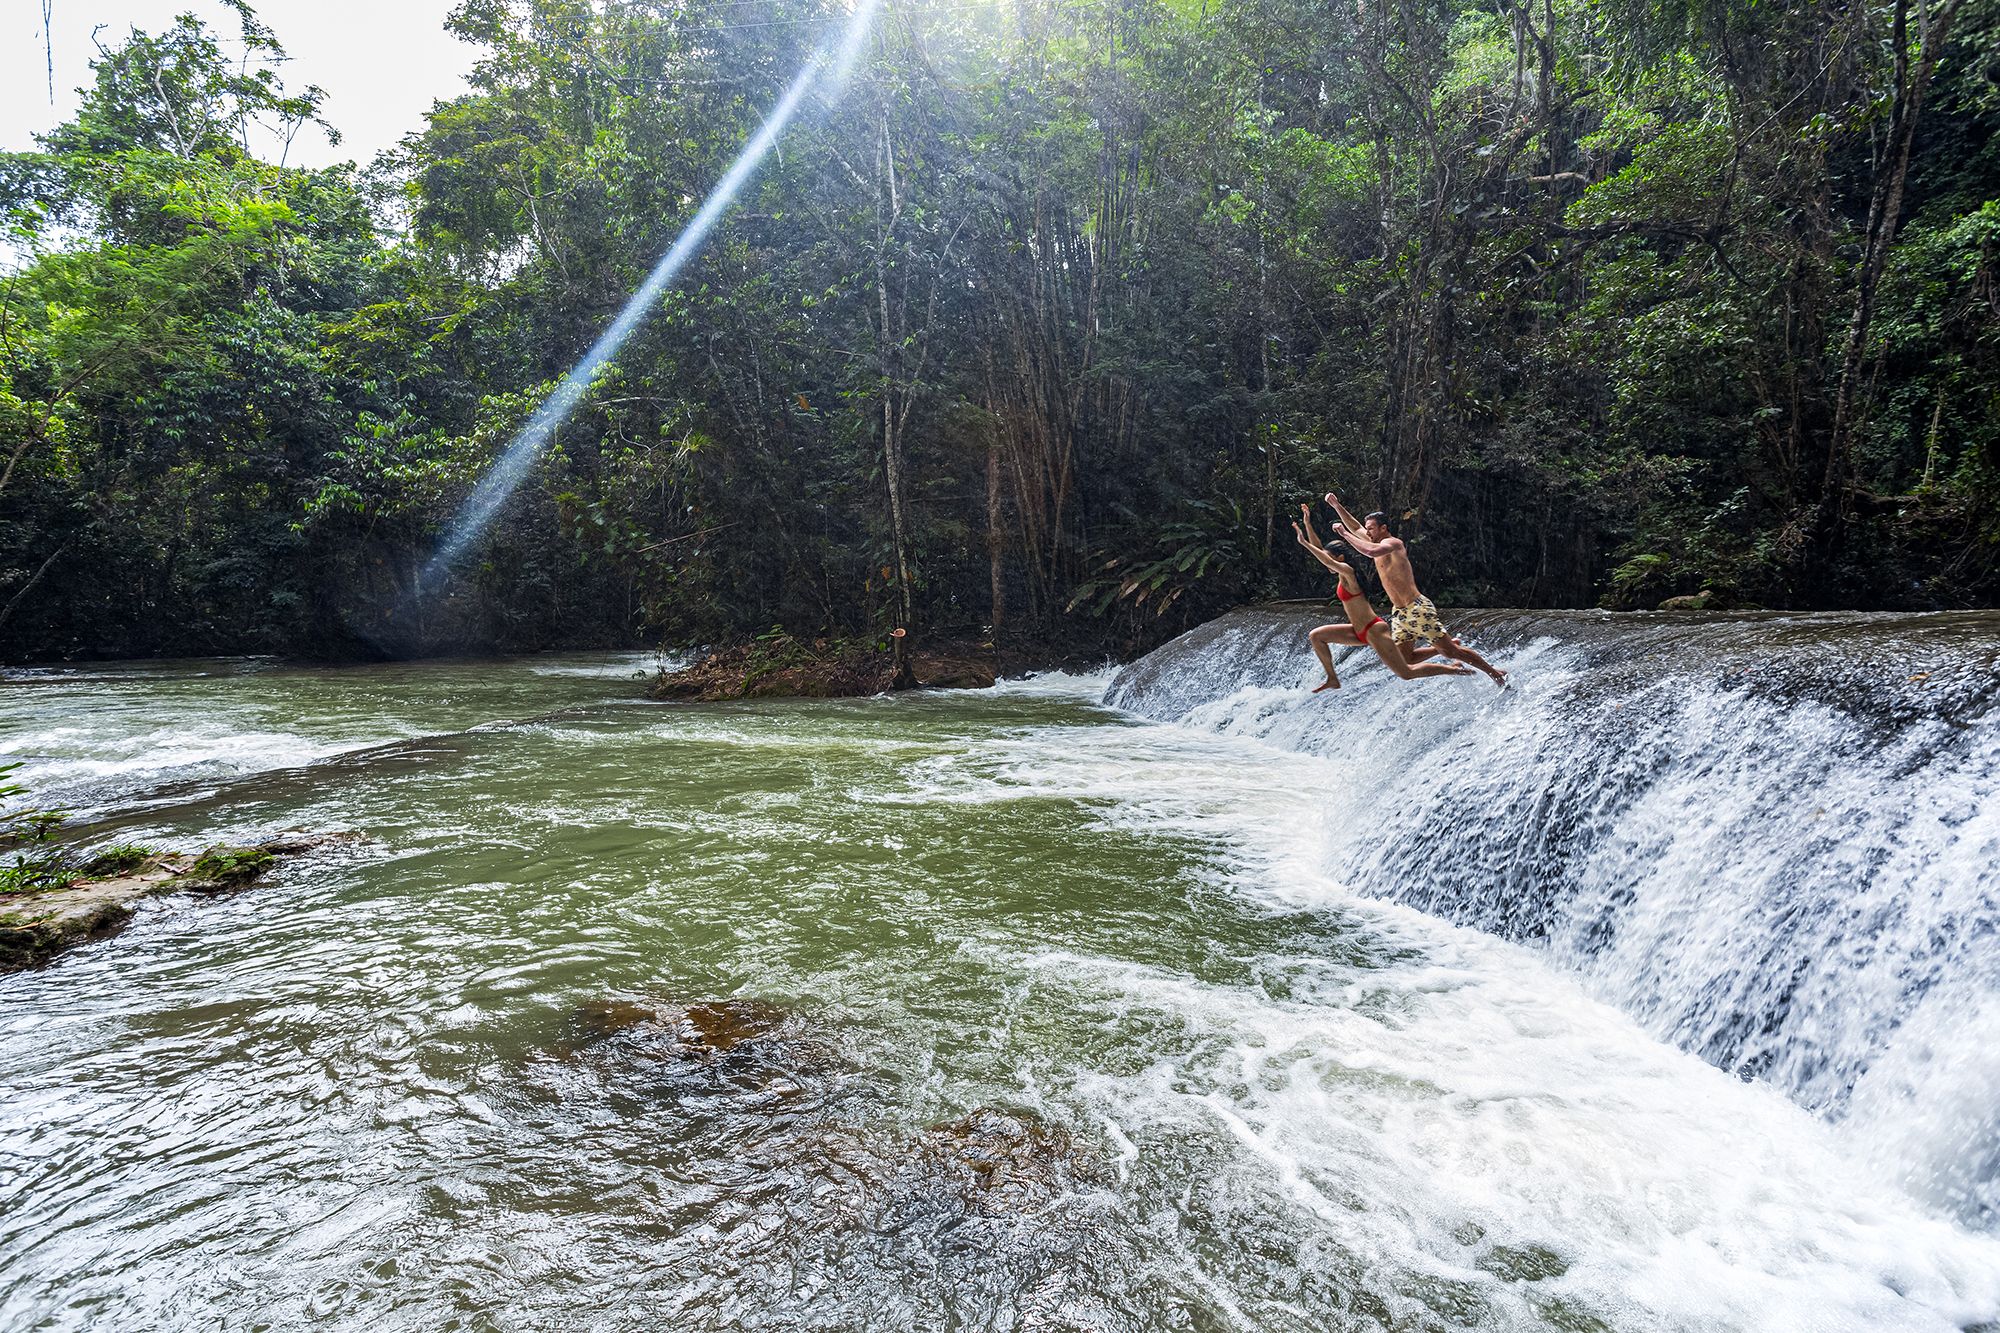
x,y
381,1089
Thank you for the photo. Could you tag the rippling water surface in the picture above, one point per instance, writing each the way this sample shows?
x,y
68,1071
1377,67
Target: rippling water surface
x,y
1019,1013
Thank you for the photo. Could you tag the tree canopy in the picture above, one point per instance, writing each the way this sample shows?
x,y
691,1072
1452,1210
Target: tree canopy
x,y
1046,322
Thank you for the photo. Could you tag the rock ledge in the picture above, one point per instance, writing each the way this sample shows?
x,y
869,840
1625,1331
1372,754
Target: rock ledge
x,y
35,926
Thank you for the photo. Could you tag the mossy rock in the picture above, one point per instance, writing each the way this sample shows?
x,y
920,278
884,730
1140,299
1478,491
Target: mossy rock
x,y
28,936
103,892
1523,1263
823,669
228,867
124,859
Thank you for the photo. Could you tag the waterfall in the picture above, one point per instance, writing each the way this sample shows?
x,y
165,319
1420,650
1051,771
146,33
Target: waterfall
x,y
1774,839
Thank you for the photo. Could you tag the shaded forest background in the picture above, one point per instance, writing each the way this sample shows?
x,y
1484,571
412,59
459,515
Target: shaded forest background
x,y
1047,323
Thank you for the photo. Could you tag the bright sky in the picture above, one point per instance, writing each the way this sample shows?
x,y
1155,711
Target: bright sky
x,y
382,62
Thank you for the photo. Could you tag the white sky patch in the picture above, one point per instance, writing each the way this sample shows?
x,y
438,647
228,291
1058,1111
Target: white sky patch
x,y
382,63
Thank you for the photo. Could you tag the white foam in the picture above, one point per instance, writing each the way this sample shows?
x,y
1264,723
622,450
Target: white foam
x,y
621,666
65,765
1086,685
1474,1090
90,739
1773,860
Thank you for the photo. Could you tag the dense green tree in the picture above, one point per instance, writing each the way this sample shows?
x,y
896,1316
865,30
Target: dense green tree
x,y
1042,320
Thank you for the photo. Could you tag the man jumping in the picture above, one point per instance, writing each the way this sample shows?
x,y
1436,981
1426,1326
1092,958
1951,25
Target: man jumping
x,y
1414,620
1363,625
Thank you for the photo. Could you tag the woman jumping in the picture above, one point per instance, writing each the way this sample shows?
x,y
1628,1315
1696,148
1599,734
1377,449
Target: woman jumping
x,y
1364,625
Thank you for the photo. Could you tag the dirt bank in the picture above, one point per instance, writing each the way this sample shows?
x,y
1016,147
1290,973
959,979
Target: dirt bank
x,y
781,666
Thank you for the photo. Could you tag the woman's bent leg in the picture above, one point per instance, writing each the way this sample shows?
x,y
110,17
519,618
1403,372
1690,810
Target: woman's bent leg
x,y
1324,640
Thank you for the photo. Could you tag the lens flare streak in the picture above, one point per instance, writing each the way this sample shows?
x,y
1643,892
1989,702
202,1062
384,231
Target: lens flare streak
x,y
829,65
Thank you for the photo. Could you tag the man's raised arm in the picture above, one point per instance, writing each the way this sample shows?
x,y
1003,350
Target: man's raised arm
x,y
1353,537
1347,520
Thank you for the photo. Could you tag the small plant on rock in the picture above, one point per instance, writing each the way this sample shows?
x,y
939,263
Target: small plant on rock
x,y
37,864
230,865
122,859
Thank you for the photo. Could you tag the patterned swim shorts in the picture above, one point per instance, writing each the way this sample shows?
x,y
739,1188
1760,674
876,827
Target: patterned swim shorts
x,y
1416,623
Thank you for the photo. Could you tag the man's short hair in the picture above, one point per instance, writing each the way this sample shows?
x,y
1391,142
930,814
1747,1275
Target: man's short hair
x,y
1377,517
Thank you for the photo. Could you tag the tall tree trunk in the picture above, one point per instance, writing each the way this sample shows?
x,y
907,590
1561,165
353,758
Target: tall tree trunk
x,y
32,435
1884,210
892,453
1266,426
995,566
887,206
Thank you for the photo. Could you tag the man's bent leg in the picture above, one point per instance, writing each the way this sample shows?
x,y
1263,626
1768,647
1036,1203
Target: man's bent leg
x,y
1395,656
1421,669
1405,633
1458,652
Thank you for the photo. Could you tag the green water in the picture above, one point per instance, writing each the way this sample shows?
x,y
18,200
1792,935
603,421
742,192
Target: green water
x,y
375,1092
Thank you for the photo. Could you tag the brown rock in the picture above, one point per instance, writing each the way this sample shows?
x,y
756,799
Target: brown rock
x,y
669,1031
789,668
1005,1161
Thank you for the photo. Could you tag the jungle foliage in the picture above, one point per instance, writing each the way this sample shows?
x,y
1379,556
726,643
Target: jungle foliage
x,y
1046,323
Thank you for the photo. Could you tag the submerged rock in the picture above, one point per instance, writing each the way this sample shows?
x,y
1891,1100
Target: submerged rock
x,y
798,1195
734,1057
1004,1162
703,1031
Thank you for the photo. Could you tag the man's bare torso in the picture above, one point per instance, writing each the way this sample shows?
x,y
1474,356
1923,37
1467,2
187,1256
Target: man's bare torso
x,y
1398,580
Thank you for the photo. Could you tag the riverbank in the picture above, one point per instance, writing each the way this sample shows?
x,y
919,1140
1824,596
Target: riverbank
x,y
38,924
782,666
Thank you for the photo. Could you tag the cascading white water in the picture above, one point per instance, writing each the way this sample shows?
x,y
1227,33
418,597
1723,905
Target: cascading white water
x,y
1774,840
